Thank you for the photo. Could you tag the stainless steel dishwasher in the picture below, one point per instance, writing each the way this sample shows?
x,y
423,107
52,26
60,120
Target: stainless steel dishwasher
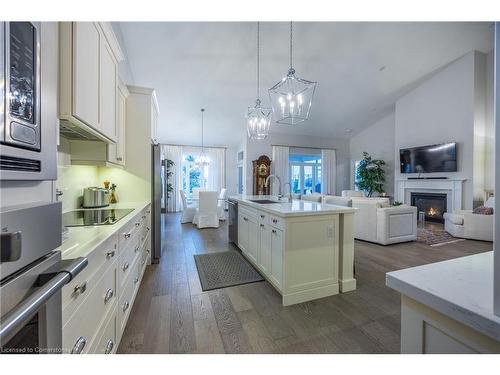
x,y
232,223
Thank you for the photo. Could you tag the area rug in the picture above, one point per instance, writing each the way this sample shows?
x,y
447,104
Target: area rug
x,y
224,269
435,237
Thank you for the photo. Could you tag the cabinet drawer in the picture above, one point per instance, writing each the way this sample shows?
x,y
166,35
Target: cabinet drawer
x,y
126,300
249,213
127,257
276,222
106,343
99,261
83,325
129,231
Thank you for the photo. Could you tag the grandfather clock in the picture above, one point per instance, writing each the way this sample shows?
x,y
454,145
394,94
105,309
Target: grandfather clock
x,y
261,169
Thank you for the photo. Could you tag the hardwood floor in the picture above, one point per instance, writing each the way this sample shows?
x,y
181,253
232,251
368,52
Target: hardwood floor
x,y
172,315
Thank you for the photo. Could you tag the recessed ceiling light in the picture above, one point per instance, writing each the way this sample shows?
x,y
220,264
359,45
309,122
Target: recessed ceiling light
x,y
348,131
382,68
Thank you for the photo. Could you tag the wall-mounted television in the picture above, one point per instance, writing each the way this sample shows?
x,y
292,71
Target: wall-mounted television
x,y
428,159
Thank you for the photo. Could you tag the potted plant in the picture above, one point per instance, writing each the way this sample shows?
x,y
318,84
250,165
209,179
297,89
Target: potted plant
x,y
371,175
169,164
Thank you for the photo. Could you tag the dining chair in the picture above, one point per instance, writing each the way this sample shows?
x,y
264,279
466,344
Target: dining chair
x,y
206,215
196,192
188,211
221,205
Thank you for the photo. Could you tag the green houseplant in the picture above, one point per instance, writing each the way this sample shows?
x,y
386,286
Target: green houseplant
x,y
371,175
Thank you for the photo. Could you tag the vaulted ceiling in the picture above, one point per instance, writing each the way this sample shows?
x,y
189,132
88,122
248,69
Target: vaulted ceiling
x,y
362,68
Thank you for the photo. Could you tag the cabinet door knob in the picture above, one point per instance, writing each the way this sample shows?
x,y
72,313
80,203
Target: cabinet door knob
x,y
136,249
125,266
79,345
109,295
110,254
109,347
119,158
80,288
125,306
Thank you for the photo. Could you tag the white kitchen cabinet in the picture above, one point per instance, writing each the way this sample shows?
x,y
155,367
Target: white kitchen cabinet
x,y
88,62
242,232
265,248
276,274
107,90
86,42
253,239
116,152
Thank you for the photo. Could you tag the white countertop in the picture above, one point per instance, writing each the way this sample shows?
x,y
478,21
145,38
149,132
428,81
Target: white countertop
x,y
294,208
80,241
460,288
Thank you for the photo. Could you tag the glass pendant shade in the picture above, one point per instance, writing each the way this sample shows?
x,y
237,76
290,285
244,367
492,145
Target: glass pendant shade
x,y
258,121
291,99
202,160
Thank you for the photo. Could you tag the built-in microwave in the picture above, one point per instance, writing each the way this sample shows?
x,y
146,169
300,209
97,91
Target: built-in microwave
x,y
23,151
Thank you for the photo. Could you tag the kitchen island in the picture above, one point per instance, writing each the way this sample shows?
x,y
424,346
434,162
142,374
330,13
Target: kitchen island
x,y
304,249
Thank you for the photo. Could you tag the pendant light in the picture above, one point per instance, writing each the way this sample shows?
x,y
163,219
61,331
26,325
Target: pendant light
x,y
202,160
258,117
291,98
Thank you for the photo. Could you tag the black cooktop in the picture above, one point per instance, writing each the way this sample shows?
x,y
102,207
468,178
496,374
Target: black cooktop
x,y
82,218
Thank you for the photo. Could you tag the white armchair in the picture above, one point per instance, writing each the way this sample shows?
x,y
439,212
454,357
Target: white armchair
x,y
338,201
315,197
352,194
465,224
377,221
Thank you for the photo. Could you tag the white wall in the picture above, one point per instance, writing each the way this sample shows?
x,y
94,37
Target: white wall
x,y
378,141
440,110
496,280
256,148
489,171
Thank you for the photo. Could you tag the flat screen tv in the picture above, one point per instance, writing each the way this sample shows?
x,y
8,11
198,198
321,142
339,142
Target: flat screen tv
x,y
428,159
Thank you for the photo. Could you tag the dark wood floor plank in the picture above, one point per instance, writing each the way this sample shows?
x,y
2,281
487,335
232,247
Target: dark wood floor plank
x,y
171,313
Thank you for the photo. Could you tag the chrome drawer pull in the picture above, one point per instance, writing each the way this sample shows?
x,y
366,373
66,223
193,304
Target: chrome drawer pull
x,y
136,280
274,231
136,249
142,263
147,228
80,288
125,266
109,295
80,344
143,216
148,211
119,158
244,218
275,221
137,224
110,254
125,306
262,216
262,225
109,347
127,235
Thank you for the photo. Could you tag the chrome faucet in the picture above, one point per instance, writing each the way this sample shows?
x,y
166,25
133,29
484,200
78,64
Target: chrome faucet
x,y
279,183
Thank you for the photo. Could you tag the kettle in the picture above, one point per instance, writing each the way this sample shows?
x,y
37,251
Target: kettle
x,y
94,196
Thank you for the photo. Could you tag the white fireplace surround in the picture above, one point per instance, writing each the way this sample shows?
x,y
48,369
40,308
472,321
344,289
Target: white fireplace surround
x,y
451,187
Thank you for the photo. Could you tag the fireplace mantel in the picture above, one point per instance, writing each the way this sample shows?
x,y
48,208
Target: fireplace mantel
x,y
453,188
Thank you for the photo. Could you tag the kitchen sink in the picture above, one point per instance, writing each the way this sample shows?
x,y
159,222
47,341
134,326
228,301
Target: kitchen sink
x,y
262,201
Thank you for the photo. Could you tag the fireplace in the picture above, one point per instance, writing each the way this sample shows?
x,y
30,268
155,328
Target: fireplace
x,y
432,204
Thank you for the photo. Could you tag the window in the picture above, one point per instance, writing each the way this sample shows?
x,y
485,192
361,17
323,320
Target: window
x,y
305,173
356,174
192,175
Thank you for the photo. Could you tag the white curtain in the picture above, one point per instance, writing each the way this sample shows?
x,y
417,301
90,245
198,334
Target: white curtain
x,y
216,169
328,171
174,153
279,166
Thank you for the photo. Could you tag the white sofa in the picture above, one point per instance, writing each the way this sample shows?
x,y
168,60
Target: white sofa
x,y
465,224
377,221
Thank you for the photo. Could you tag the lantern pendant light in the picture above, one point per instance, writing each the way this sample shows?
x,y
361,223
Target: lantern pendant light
x,y
202,160
291,98
258,117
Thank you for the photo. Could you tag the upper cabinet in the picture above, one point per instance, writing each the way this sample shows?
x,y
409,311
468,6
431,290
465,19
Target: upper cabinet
x,y
116,152
89,56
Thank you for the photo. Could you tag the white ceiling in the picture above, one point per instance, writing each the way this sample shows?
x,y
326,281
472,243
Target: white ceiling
x,y
212,65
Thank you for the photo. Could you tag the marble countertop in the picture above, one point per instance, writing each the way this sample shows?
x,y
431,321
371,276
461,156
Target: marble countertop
x,y
460,288
293,208
80,241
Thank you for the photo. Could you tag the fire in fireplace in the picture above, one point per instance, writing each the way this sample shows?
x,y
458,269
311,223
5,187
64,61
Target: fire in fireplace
x,y
432,204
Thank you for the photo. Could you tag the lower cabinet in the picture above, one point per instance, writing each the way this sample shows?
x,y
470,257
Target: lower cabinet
x,y
96,308
262,244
